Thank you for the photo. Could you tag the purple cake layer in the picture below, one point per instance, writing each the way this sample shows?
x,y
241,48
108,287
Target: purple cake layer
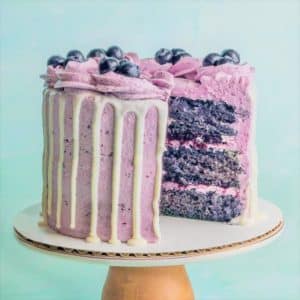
x,y
209,206
187,165
208,121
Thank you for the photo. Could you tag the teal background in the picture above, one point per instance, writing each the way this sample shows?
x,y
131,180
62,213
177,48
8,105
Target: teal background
x,y
266,33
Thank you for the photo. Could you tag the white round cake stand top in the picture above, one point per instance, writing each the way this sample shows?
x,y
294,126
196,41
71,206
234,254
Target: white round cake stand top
x,y
183,240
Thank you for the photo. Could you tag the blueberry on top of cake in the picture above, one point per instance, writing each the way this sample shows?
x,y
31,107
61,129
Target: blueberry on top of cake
x,y
107,71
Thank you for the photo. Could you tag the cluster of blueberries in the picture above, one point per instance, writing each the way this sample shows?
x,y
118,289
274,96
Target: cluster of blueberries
x,y
113,59
216,59
110,60
163,56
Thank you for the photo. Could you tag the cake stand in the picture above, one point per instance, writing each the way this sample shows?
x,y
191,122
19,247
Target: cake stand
x,y
155,271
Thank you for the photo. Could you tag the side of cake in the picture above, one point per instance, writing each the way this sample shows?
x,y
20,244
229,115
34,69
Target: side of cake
x,y
104,136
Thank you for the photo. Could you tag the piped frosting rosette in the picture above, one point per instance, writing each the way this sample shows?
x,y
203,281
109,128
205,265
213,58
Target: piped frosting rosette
x,y
187,77
193,80
158,85
51,77
187,67
226,72
85,75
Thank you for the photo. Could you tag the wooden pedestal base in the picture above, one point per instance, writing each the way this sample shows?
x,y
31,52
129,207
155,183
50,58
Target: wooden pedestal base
x,y
147,283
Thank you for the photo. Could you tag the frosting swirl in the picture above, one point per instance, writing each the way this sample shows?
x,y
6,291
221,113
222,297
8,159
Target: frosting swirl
x,y
85,75
192,80
186,78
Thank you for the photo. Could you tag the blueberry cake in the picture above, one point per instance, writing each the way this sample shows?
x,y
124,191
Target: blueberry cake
x,y
127,139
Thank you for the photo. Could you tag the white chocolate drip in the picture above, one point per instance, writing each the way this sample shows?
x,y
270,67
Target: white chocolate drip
x,y
61,127
160,147
121,108
75,158
140,108
251,214
45,158
118,134
93,237
50,157
137,181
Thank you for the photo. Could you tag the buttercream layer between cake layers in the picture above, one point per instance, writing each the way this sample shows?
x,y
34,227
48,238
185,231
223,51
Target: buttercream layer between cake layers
x,y
101,155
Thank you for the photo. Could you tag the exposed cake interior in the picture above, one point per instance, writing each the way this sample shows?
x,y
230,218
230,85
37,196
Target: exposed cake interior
x,y
207,161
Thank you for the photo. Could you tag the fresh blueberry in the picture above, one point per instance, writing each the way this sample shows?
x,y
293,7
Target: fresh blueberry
x,y
75,55
71,58
97,53
122,62
115,51
163,56
55,61
67,60
176,51
108,64
128,68
230,53
178,56
211,59
223,60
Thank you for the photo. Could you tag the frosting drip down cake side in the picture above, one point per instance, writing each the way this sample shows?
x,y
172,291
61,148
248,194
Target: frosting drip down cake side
x,y
104,137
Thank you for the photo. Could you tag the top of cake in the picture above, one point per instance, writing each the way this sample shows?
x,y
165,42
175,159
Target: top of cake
x,y
170,73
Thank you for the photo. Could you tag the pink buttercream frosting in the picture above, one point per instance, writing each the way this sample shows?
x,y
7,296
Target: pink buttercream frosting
x,y
201,188
194,81
186,78
85,75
